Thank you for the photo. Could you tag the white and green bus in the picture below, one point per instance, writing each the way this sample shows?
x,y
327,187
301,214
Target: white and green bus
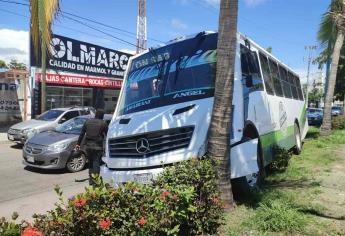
x,y
165,107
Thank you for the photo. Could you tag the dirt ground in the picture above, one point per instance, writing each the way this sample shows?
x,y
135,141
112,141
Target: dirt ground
x,y
332,192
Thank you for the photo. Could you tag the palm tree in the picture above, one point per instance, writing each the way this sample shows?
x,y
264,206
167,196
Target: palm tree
x,y
332,31
43,13
219,133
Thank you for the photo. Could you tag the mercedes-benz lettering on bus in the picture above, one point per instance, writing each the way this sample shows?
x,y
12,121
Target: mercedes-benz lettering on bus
x,y
165,107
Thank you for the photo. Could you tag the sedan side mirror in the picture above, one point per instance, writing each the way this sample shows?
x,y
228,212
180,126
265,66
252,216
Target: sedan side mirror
x,y
62,120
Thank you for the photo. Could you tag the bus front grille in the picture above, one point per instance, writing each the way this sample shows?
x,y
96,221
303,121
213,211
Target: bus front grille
x,y
152,143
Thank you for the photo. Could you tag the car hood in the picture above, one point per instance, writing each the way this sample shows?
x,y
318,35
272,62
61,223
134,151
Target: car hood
x,y
313,115
31,124
51,137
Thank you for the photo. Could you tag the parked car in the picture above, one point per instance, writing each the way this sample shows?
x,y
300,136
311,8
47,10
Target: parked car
x,y
54,149
336,111
47,121
315,116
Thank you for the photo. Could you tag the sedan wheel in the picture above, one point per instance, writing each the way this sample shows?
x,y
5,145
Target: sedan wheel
x,y
76,163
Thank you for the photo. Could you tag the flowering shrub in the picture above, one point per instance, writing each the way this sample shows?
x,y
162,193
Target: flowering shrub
x,y
183,200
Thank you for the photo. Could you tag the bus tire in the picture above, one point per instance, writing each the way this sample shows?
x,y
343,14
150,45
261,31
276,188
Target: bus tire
x,y
242,186
298,141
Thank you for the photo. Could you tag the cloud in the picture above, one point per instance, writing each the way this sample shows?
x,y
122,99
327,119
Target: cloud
x,y
253,3
125,50
314,75
14,45
249,3
178,24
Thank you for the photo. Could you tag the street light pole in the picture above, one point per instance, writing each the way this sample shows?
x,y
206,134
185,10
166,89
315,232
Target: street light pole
x,y
310,48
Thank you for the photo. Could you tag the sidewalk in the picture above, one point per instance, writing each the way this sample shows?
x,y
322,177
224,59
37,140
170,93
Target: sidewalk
x,y
3,134
38,203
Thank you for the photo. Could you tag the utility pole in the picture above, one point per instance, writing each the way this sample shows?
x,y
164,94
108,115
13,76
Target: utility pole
x,y
309,48
141,26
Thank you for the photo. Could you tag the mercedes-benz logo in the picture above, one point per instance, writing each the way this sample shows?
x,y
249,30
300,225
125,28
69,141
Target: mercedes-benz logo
x,y
143,145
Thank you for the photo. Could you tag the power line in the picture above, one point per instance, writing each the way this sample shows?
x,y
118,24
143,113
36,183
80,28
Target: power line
x,y
84,18
57,25
14,2
91,27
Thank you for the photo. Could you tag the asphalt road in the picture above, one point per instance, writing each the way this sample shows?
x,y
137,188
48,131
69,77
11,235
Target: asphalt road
x,y
28,190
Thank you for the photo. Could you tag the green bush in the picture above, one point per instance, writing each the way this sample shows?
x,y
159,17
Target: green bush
x,y
338,122
183,200
281,159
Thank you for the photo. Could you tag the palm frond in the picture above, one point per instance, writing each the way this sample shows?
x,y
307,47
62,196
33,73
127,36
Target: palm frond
x,y
328,31
43,13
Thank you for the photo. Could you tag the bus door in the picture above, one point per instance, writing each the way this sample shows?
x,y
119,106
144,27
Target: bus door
x,y
257,109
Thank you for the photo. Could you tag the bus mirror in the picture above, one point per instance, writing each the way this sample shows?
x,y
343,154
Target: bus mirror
x,y
249,81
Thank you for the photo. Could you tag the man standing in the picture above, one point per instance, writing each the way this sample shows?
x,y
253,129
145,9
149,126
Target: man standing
x,y
94,131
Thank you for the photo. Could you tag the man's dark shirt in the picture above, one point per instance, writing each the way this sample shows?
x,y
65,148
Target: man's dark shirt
x,y
94,130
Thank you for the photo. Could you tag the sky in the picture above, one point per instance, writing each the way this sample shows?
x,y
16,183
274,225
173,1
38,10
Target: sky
x,y
285,25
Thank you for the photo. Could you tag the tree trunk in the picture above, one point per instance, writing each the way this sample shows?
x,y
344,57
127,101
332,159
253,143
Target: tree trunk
x,y
43,78
219,133
326,123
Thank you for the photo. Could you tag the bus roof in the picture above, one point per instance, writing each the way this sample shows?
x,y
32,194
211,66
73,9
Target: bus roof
x,y
239,36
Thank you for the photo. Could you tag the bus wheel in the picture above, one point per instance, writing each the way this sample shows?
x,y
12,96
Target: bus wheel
x,y
242,186
298,141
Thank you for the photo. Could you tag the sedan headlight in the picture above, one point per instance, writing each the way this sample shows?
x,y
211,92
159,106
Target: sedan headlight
x,y
29,132
58,147
25,131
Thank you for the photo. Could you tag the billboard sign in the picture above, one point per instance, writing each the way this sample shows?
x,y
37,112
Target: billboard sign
x,y
79,80
79,57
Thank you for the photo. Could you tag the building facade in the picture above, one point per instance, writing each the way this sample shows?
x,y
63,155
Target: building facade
x,y
78,74
14,96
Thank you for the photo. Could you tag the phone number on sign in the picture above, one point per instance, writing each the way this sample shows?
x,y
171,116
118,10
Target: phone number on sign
x,y
7,105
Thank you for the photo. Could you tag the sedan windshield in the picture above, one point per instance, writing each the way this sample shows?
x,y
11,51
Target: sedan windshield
x,y
72,126
179,72
50,115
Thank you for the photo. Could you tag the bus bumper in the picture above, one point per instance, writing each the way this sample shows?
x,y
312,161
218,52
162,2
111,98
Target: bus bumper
x,y
118,177
244,159
243,162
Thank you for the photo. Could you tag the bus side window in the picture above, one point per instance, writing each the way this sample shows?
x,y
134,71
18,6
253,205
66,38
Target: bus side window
x,y
285,82
299,89
266,74
293,87
275,77
250,68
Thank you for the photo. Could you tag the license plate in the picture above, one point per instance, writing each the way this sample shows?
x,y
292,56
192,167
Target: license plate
x,y
10,137
30,159
143,178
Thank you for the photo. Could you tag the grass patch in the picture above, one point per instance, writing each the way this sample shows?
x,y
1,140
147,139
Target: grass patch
x,y
284,205
276,216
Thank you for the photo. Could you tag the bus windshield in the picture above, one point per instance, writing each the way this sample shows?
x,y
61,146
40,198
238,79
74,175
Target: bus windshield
x,y
179,72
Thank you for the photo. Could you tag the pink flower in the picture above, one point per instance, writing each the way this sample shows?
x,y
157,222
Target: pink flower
x,y
105,224
135,190
175,197
32,231
215,200
141,221
164,194
80,202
